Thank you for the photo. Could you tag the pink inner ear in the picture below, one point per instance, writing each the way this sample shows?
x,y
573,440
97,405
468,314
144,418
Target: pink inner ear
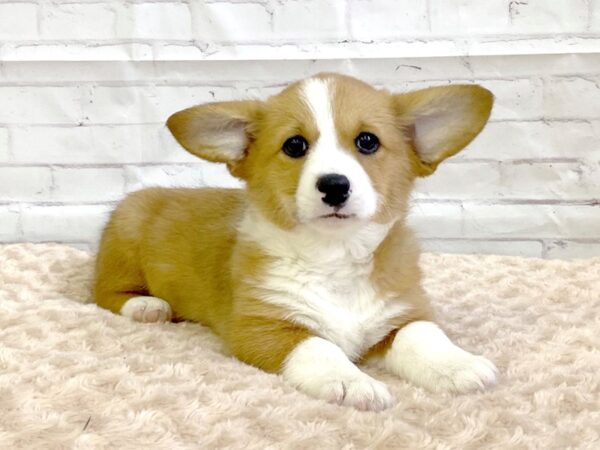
x,y
430,133
443,127
225,140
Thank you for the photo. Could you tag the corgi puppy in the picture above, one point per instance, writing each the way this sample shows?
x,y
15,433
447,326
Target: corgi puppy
x,y
311,269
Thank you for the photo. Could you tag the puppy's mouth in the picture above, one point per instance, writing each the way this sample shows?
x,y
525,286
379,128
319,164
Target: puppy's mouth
x,y
337,215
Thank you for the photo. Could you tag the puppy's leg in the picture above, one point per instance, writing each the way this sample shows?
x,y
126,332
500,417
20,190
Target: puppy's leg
x,y
313,365
423,354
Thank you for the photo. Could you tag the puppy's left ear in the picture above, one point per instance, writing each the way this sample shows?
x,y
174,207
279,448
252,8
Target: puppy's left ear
x,y
440,121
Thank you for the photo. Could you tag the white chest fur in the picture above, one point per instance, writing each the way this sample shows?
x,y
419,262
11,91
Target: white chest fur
x,y
324,283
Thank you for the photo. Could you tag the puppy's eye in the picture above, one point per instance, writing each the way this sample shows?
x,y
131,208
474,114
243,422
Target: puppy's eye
x,y
295,147
366,143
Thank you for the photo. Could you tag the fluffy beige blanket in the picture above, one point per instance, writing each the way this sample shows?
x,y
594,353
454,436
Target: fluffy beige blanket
x,y
75,376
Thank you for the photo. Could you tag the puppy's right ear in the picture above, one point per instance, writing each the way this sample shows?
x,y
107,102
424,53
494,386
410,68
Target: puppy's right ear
x,y
218,132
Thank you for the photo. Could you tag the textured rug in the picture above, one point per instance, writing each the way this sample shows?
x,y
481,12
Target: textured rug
x,y
75,376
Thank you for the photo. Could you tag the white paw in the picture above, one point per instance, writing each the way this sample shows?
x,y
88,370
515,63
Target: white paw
x,y
147,309
363,393
458,371
423,354
320,369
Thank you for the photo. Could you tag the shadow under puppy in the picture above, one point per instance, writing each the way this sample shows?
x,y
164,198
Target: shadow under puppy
x,y
311,268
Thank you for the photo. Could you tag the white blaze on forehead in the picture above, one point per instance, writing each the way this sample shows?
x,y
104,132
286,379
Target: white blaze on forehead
x,y
316,93
325,156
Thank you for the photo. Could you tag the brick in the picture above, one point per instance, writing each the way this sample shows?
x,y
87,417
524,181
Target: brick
x,y
530,220
311,20
458,181
96,145
154,21
468,17
466,246
579,221
527,64
9,223
516,99
541,16
494,221
78,21
4,149
533,140
144,104
88,184
27,104
396,73
117,104
65,222
18,21
436,219
231,22
382,19
565,249
74,145
563,98
563,181
595,15
169,99
22,184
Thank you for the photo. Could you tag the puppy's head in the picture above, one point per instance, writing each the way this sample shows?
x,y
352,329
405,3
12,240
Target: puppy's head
x,y
332,152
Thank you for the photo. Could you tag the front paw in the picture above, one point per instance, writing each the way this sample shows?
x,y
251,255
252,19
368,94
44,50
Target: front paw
x,y
363,393
320,369
458,371
423,354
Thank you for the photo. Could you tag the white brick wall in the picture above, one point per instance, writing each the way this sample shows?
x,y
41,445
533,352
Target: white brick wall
x,y
25,184
385,20
18,21
319,19
72,20
171,20
225,22
85,88
39,104
84,184
66,223
10,223
4,151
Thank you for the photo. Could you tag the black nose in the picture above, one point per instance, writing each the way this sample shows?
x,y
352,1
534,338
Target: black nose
x,y
335,187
